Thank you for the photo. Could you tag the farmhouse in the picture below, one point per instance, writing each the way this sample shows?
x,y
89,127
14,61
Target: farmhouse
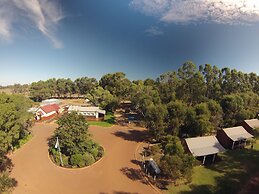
x,y
89,112
234,137
47,111
251,125
204,146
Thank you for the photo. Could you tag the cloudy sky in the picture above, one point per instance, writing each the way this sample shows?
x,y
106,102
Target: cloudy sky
x,y
40,39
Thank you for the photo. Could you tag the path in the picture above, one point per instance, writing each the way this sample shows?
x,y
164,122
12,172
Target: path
x,y
116,173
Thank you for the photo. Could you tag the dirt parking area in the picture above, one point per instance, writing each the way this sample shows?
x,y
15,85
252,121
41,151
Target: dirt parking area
x,y
116,173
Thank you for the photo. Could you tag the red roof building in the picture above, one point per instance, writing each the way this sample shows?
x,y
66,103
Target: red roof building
x,y
47,111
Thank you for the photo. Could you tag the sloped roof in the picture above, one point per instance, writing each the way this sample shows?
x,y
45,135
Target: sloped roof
x,y
237,133
50,101
202,146
86,109
253,123
50,108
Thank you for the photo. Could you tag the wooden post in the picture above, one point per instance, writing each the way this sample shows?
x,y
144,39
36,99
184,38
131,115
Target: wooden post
x,y
233,145
213,157
204,157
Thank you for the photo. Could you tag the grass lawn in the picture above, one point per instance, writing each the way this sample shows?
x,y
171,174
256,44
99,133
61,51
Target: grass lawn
x,y
228,175
108,121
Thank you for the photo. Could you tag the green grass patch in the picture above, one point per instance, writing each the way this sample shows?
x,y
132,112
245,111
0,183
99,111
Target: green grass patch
x,y
228,175
108,121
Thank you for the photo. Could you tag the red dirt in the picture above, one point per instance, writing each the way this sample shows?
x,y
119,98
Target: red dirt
x,y
116,173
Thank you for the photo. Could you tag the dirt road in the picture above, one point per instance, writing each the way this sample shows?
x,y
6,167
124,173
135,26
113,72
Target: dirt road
x,y
116,173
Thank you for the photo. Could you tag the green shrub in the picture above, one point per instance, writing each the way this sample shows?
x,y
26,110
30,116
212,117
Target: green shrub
x,y
77,160
88,159
65,160
95,153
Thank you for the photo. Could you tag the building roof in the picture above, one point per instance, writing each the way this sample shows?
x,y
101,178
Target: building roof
x,y
50,108
253,123
86,109
50,101
237,133
202,146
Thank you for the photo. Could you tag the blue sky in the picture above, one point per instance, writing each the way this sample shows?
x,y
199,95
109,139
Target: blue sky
x,y
42,39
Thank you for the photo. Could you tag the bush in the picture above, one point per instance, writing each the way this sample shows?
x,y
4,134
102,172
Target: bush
x,y
65,160
95,153
88,159
77,160
77,147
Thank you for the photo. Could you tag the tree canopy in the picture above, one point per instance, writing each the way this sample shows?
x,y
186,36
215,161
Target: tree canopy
x,y
76,144
14,123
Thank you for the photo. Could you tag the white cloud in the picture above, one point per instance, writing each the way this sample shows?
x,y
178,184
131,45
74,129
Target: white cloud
x,y
43,14
154,31
196,11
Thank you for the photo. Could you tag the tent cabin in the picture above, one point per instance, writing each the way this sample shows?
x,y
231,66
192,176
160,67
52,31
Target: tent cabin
x,y
47,111
251,125
89,112
234,137
204,146
152,168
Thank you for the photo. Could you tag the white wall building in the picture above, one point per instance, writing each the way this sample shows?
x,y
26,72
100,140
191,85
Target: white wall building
x,y
87,111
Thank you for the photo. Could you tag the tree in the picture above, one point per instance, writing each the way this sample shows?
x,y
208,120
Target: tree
x,y
232,105
52,86
167,84
14,123
190,80
175,164
176,116
85,84
155,119
14,120
197,121
212,80
39,91
75,141
143,96
117,84
103,98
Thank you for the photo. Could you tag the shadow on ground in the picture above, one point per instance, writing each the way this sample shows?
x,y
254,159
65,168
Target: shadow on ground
x,y
6,183
133,174
132,135
6,164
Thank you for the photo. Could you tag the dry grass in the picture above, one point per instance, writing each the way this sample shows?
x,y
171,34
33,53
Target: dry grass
x,y
73,102
6,90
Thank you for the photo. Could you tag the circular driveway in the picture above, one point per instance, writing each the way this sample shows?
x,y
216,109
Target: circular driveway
x,y
116,173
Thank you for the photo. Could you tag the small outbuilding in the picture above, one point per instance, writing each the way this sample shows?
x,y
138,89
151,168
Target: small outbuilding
x,y
234,137
50,102
47,111
89,112
204,146
251,125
